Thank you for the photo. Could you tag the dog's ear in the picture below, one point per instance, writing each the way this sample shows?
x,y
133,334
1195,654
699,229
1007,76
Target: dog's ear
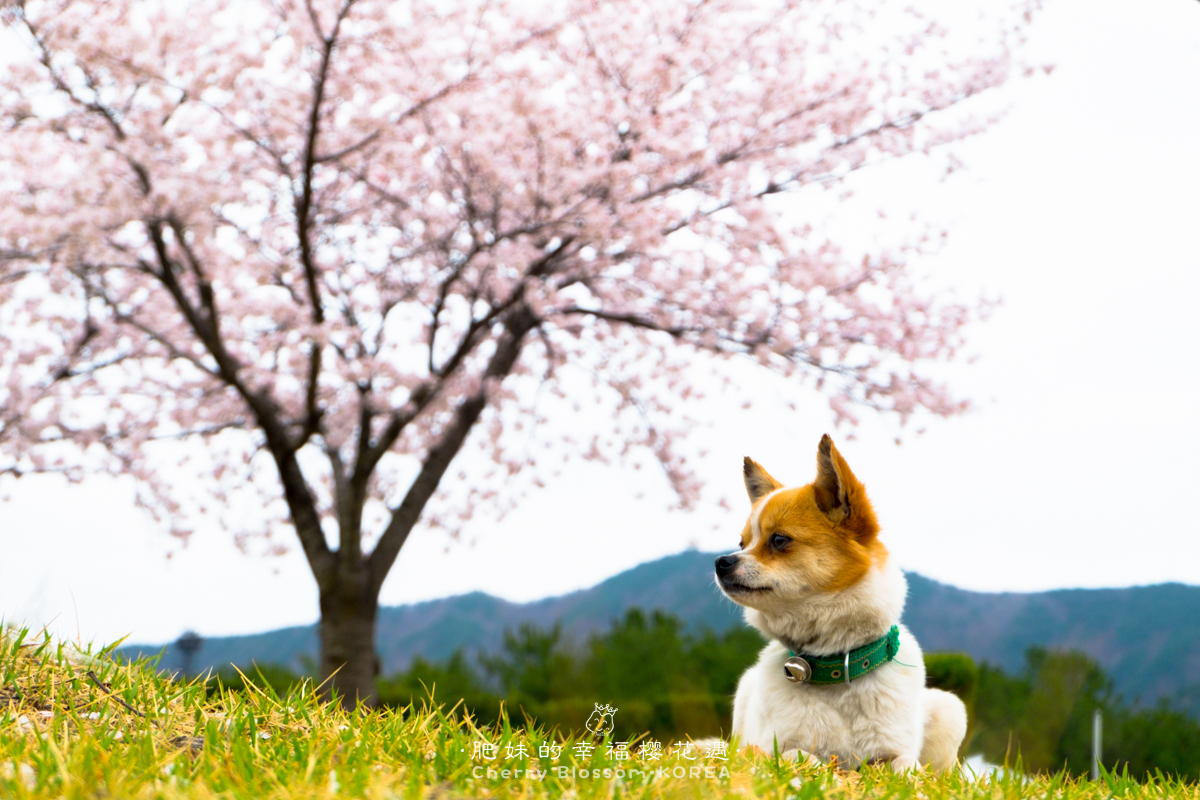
x,y
837,490
759,482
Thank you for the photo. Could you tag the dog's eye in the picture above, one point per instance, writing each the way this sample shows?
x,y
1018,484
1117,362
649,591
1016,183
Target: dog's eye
x,y
779,541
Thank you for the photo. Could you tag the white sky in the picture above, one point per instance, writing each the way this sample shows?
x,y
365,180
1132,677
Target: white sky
x,y
1077,467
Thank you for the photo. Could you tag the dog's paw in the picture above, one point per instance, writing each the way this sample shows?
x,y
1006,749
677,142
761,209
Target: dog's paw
x,y
905,764
802,757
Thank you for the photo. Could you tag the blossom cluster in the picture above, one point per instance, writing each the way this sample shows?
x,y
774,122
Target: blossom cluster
x,y
315,251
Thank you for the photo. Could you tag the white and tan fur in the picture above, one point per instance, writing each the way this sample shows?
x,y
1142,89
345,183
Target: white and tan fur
x,y
813,577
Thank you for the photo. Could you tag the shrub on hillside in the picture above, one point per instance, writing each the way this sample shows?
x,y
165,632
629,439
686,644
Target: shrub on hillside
x,y
1044,715
670,682
953,672
449,683
662,679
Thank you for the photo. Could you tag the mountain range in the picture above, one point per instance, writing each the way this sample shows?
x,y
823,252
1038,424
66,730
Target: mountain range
x,y
1147,638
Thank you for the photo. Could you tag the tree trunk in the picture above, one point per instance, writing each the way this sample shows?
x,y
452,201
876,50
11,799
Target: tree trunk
x,y
349,664
350,581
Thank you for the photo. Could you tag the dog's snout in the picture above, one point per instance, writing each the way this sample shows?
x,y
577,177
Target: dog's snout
x,y
725,564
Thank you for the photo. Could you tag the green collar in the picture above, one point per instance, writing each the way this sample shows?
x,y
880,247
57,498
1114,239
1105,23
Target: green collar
x,y
826,670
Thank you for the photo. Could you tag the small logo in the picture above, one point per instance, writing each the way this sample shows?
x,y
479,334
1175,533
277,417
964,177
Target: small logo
x,y
601,720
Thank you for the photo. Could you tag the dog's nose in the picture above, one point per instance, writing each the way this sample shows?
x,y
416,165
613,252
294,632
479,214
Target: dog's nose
x,y
725,564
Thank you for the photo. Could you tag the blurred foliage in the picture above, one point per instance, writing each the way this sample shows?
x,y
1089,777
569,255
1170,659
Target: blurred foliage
x,y
147,734
660,678
451,682
671,682
1044,715
953,672
531,669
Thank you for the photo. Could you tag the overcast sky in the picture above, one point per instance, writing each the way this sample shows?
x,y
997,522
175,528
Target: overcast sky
x,y
1077,467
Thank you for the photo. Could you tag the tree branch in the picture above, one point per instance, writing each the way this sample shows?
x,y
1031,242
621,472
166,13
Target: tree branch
x,y
345,151
301,504
677,331
508,348
304,203
423,395
305,222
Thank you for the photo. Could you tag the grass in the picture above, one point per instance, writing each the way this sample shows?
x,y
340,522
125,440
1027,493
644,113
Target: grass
x,y
76,724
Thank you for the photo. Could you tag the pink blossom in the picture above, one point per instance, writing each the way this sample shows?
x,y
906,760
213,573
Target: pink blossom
x,y
336,242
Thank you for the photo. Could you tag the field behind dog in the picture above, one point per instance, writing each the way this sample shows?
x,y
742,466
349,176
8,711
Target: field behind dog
x,y
79,725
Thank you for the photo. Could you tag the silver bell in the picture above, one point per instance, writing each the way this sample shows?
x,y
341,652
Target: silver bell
x,y
797,669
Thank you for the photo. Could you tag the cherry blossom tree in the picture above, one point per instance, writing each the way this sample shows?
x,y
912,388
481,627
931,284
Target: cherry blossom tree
x,y
319,248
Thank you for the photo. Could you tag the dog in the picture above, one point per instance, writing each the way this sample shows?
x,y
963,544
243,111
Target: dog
x,y
841,678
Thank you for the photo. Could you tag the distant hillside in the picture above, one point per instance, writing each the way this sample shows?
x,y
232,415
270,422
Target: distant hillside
x,y
1147,638
679,584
